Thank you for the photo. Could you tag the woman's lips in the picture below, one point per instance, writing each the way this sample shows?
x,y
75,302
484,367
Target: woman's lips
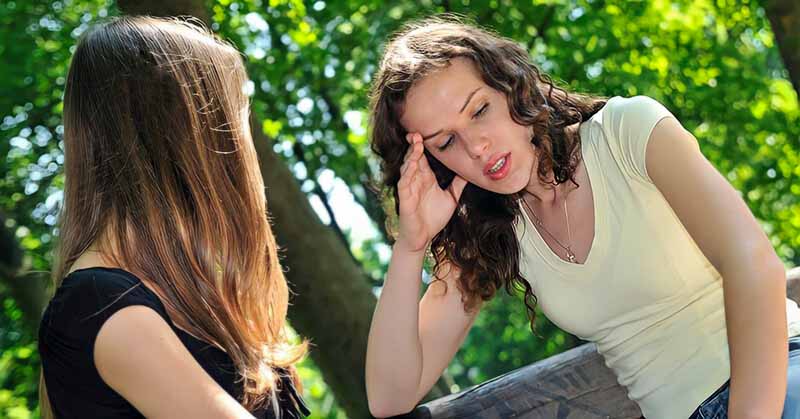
x,y
502,171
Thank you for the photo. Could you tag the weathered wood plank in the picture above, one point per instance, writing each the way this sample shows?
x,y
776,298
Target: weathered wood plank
x,y
573,385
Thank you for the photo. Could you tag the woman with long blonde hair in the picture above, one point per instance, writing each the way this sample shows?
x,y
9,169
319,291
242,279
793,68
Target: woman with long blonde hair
x,y
170,300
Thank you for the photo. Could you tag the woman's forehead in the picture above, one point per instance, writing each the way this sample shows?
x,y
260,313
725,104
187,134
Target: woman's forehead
x,y
440,95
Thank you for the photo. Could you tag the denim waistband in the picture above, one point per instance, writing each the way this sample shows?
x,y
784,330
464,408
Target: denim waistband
x,y
794,345
711,397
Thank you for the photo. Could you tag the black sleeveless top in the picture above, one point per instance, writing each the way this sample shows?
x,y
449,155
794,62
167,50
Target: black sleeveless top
x,y
69,327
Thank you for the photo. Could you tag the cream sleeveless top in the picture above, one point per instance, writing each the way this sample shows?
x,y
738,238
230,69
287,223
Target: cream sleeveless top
x,y
646,295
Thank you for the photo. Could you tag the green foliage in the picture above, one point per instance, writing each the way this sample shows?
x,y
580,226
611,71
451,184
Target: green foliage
x,y
38,37
36,41
501,341
19,365
714,64
316,393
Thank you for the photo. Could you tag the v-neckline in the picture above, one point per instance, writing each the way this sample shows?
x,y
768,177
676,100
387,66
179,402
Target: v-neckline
x,y
597,188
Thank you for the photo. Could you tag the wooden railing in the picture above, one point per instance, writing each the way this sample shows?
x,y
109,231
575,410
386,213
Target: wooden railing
x,y
575,384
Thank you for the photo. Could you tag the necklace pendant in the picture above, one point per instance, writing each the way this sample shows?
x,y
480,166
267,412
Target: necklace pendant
x,y
571,256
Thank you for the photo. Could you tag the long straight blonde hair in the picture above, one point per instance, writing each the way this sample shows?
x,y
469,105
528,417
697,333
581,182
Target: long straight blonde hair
x,y
160,168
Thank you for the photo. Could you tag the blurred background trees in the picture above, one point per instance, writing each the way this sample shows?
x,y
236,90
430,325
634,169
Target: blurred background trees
x,y
714,63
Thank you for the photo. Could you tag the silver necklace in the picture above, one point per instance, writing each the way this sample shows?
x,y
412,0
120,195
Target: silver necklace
x,y
568,248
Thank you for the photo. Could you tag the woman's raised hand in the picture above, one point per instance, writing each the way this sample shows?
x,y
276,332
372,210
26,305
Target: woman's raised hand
x,y
425,208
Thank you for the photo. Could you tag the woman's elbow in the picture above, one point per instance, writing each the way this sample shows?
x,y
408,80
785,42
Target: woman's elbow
x,y
384,408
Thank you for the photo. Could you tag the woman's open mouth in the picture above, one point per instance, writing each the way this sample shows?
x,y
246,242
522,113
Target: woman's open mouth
x,y
499,167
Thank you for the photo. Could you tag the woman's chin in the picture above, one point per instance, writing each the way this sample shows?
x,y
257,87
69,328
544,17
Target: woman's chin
x,y
509,187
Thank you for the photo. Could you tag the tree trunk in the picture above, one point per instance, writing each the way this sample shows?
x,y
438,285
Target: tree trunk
x,y
28,291
784,17
333,303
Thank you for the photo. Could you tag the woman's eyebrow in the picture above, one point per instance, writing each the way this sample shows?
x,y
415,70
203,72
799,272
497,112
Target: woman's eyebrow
x,y
429,136
464,106
466,102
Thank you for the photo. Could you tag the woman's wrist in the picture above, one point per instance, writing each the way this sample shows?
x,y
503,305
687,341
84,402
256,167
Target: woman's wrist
x,y
402,245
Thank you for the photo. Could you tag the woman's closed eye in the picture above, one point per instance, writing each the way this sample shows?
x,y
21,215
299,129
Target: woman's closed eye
x,y
480,112
446,143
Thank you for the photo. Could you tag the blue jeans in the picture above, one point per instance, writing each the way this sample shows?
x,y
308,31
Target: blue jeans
x,y
716,406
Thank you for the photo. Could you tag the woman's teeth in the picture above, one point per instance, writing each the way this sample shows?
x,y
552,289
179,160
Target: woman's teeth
x,y
498,165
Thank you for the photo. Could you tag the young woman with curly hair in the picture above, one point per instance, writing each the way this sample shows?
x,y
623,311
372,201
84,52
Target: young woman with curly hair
x,y
604,211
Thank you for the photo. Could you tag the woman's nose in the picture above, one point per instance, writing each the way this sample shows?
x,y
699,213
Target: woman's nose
x,y
477,145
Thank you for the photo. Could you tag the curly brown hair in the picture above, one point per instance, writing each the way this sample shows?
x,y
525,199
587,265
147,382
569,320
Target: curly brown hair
x,y
479,239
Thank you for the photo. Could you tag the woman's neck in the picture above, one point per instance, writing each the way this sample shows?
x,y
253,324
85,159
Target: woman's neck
x,y
546,192
91,258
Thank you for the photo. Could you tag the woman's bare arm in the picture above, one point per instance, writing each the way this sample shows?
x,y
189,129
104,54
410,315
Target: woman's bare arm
x,y
138,355
411,342
752,274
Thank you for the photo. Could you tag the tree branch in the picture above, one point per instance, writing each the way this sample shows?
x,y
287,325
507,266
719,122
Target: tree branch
x,y
372,203
784,17
299,151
